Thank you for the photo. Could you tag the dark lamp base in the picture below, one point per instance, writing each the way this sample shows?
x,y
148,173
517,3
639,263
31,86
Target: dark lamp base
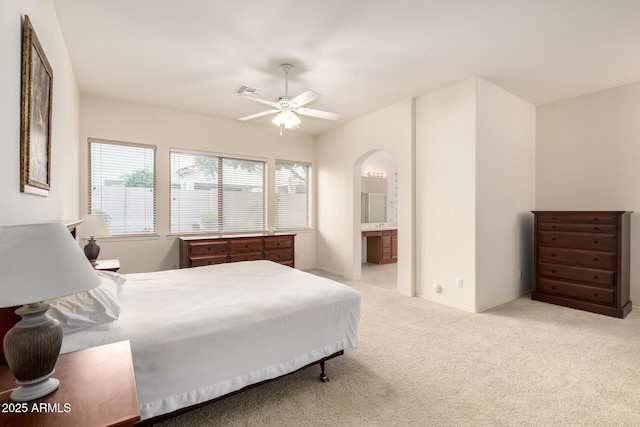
x,y
91,251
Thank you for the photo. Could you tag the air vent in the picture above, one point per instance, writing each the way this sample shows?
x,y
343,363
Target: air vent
x,y
247,91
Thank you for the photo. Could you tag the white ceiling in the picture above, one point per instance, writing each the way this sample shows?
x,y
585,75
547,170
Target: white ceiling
x,y
360,55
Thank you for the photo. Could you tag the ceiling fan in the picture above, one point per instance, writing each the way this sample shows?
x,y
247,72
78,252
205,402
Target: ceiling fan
x,y
287,108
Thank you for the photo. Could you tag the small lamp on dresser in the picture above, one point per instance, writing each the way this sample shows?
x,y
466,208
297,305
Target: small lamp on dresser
x,y
91,226
38,262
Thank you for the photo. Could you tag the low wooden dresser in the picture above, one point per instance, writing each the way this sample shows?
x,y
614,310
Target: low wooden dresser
x,y
198,250
581,260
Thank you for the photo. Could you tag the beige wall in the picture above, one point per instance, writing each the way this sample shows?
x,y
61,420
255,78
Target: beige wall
x,y
116,120
587,158
62,202
505,195
445,194
475,146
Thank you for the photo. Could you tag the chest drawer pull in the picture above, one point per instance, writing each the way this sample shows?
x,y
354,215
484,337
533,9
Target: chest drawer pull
x,y
553,238
595,241
595,295
595,259
595,219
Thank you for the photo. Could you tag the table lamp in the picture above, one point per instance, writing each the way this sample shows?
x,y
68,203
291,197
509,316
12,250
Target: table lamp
x,y
91,226
38,262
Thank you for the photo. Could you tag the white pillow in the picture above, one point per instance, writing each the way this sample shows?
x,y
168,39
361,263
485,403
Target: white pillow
x,y
93,307
116,278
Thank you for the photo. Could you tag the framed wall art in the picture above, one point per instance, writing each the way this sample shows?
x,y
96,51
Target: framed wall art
x,y
35,127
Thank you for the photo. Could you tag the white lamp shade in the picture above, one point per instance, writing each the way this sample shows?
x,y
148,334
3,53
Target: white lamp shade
x,y
39,262
287,118
92,225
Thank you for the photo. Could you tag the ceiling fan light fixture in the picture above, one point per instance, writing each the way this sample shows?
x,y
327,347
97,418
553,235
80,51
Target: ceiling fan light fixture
x,y
287,118
286,107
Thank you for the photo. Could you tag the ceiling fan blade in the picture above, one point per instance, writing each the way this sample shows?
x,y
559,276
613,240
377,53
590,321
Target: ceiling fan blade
x,y
262,101
305,98
317,113
264,113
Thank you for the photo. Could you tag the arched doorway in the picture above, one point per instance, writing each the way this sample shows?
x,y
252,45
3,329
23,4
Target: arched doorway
x,y
376,218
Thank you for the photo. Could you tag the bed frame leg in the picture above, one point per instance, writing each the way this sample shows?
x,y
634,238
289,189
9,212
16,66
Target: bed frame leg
x,y
323,377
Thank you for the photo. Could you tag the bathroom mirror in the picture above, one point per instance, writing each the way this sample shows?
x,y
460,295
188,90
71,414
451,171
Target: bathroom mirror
x,y
374,200
374,208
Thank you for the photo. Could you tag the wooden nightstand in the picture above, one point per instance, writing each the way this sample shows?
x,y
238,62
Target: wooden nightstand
x,y
97,388
108,265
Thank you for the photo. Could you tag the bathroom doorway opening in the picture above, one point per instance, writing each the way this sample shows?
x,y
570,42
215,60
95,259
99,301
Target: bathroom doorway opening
x,y
378,219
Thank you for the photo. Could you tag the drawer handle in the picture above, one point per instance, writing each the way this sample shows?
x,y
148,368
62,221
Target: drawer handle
x,y
553,288
595,241
553,218
553,238
595,295
595,219
595,277
596,228
553,226
553,271
553,254
595,259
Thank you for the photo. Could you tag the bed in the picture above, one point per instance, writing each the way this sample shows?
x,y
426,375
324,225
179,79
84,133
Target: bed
x,y
201,333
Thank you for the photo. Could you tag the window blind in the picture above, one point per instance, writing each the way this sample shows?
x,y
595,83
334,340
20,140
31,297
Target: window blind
x,y
213,193
122,186
292,195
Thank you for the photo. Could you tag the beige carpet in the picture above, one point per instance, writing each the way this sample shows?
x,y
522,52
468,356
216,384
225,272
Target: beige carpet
x,y
418,363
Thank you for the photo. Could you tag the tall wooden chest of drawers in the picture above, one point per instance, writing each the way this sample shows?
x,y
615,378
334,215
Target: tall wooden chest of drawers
x,y
198,251
581,260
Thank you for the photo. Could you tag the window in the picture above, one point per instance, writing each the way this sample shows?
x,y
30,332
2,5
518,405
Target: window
x,y
122,186
212,193
292,195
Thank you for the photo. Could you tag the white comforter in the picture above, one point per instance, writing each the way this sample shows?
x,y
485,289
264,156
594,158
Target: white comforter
x,y
199,333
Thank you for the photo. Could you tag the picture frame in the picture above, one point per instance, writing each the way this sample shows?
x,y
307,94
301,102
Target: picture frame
x,y
35,119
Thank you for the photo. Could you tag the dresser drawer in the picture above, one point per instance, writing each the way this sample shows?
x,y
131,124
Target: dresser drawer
x,y
572,290
596,241
245,246
578,274
279,255
585,258
277,243
592,218
252,256
200,261
587,228
208,248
